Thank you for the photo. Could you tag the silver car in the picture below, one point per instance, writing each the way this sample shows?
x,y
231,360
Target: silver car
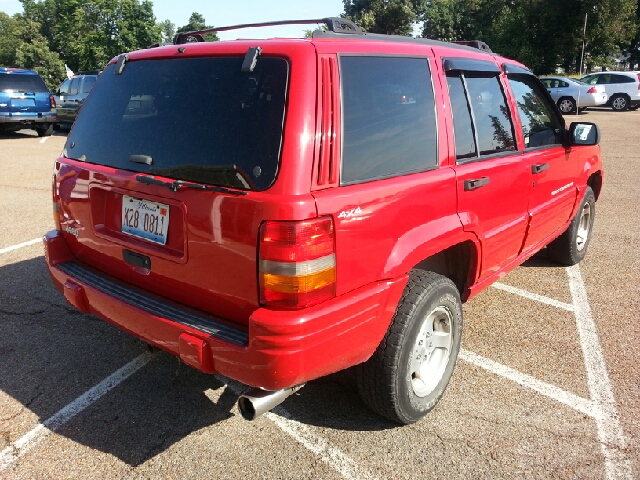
x,y
570,94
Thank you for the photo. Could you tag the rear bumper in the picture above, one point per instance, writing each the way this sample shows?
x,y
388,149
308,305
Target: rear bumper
x,y
278,349
28,118
593,100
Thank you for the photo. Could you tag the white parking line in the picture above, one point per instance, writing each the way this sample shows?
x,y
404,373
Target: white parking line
x,y
609,430
580,404
20,245
320,446
44,139
602,404
21,446
533,296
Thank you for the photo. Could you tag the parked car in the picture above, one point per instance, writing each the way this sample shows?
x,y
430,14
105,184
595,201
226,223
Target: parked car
x,y
279,210
71,94
623,88
571,94
25,102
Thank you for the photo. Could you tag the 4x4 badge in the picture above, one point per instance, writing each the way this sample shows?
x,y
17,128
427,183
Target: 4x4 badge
x,y
350,213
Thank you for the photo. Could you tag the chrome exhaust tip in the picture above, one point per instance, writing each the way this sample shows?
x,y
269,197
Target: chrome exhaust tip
x,y
256,401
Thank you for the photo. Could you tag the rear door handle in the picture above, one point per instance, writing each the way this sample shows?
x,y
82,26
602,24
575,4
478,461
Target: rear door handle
x,y
475,184
541,167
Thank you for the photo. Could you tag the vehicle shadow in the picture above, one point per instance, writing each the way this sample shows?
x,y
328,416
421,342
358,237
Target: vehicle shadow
x,y
51,354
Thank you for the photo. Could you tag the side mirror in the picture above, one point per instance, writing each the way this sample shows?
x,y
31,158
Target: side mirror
x,y
583,133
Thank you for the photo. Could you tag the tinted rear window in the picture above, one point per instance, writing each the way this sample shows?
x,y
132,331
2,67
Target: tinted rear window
x,y
389,118
22,83
199,119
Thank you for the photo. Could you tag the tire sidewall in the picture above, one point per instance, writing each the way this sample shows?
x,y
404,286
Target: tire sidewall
x,y
590,198
410,406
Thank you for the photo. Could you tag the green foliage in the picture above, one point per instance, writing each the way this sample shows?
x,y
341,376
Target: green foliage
x,y
9,41
540,33
197,22
88,33
22,45
168,29
392,17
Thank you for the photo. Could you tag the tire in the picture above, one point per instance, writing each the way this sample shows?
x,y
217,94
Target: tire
x,y
619,102
46,130
567,105
411,368
571,247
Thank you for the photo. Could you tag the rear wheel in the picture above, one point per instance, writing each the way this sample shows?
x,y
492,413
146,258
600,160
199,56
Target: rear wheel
x,y
619,102
410,370
571,247
45,130
566,104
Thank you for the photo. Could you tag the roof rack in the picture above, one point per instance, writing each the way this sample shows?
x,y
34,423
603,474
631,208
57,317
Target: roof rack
x,y
334,24
480,45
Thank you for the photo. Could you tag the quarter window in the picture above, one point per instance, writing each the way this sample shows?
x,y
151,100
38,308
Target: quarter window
x,y
540,124
389,120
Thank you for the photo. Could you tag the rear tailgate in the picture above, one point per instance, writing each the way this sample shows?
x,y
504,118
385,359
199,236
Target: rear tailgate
x,y
25,93
171,168
208,260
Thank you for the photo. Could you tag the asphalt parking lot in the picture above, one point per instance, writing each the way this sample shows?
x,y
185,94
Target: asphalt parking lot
x,y
548,384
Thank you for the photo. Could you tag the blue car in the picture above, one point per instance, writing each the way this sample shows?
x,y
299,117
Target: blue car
x,y
25,102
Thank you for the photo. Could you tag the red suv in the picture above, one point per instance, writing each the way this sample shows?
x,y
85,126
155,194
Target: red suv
x,y
278,210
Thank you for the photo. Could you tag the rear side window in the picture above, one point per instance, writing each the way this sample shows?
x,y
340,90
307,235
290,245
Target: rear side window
x,y
389,122
541,125
88,83
22,83
199,119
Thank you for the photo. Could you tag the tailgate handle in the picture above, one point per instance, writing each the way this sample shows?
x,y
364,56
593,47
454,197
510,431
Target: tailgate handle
x,y
540,167
474,184
136,259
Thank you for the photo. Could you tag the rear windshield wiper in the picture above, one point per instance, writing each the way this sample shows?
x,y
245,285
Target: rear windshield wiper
x,y
179,184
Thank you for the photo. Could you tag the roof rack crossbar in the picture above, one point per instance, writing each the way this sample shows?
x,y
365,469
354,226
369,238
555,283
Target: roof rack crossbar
x,y
334,24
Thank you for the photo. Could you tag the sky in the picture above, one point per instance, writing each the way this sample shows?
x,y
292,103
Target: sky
x,y
234,12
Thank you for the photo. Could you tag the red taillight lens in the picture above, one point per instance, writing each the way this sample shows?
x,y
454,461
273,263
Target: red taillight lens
x,y
52,101
297,264
592,90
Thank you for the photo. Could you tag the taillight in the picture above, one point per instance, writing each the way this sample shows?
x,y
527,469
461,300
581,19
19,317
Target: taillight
x,y
52,101
592,90
55,196
297,263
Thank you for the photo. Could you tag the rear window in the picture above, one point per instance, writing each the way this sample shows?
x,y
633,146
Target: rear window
x,y
199,119
22,83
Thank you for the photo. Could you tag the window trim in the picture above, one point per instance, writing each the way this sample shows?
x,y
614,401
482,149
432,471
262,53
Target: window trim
x,y
430,65
488,72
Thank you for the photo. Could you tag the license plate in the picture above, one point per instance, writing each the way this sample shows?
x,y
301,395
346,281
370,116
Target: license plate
x,y
145,219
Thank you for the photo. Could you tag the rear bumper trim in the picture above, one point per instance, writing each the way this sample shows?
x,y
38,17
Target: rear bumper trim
x,y
154,305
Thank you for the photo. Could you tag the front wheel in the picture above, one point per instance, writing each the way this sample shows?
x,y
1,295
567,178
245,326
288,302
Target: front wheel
x,y
571,247
411,368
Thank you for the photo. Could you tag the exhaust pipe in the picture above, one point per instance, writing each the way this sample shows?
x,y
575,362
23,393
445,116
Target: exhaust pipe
x,y
256,401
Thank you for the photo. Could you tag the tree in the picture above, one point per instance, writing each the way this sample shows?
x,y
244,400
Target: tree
x,y
9,41
392,17
540,33
33,53
89,33
22,45
197,22
168,29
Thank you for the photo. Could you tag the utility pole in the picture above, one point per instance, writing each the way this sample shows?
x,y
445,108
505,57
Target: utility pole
x,y
584,36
